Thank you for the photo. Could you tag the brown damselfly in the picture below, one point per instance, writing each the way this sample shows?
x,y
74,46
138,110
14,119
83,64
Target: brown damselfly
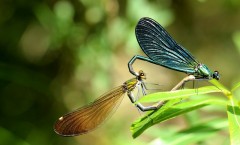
x,y
92,115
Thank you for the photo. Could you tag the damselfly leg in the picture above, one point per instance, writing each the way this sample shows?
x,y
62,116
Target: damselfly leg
x,y
141,88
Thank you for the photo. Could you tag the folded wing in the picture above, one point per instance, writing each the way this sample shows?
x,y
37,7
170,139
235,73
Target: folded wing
x,y
159,46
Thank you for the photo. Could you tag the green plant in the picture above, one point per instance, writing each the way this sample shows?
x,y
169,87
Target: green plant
x,y
176,106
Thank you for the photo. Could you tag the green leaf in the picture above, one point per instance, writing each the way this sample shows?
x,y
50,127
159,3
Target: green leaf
x,y
233,112
236,86
160,96
199,132
169,111
145,122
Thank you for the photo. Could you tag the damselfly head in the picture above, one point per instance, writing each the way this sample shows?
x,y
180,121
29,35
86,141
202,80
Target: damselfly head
x,y
216,75
141,75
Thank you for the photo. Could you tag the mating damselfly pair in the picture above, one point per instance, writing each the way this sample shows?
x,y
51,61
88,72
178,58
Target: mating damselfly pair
x,y
161,49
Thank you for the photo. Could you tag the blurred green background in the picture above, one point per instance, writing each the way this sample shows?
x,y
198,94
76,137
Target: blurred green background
x,y
56,56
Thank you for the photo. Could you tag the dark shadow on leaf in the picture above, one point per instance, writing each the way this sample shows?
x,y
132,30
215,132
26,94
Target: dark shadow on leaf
x,y
233,109
200,128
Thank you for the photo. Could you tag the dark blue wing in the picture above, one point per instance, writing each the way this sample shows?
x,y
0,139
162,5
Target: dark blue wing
x,y
159,46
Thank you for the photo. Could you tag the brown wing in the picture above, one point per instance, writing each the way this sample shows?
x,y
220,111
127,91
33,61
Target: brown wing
x,y
90,116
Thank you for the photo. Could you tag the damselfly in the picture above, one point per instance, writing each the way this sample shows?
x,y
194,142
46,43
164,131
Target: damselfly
x,y
163,50
92,115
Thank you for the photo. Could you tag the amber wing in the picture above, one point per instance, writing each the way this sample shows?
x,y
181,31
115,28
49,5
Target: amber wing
x,y
90,116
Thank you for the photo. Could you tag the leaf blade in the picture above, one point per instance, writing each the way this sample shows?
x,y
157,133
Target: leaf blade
x,y
198,132
236,86
160,96
163,114
233,112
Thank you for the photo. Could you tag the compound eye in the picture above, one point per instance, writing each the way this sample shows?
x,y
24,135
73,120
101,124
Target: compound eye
x,y
141,73
216,75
